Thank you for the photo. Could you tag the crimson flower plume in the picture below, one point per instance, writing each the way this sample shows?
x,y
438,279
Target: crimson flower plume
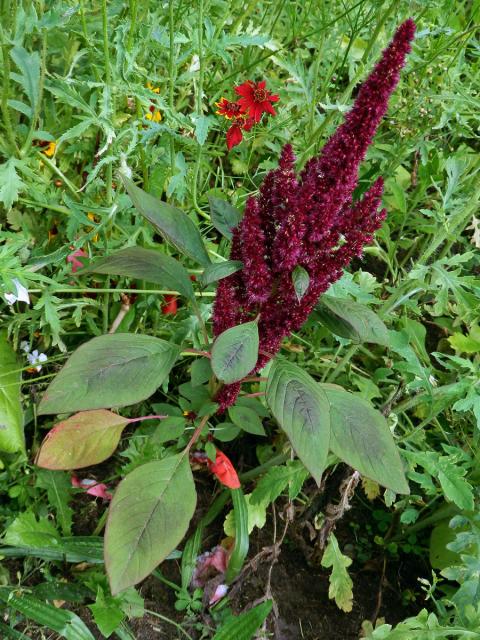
x,y
309,221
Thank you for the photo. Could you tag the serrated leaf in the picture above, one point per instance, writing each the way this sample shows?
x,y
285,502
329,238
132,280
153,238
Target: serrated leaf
x,y
454,485
243,627
225,217
59,487
26,531
235,352
276,480
202,126
360,437
67,624
146,264
147,519
29,66
351,320
110,371
341,584
10,183
176,227
301,280
302,409
85,439
11,414
218,270
247,420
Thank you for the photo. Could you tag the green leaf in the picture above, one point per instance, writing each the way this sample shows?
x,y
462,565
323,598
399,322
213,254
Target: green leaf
x,y
110,371
243,627
200,371
29,66
146,264
67,624
247,420
241,532
224,216
351,320
10,183
454,486
360,437
341,584
107,613
11,414
218,270
301,280
26,531
235,352
174,225
202,125
301,408
149,515
59,491
70,549
276,480
85,439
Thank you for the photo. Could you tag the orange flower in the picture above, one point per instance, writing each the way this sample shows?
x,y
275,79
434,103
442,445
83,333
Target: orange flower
x,y
224,470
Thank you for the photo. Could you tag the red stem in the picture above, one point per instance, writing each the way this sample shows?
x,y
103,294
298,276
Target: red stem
x,y
130,420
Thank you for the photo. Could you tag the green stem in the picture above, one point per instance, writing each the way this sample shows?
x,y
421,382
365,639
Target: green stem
x,y
133,22
199,106
28,142
5,95
108,82
171,76
70,186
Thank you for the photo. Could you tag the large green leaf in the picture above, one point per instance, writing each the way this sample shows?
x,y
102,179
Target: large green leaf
x,y
224,216
243,627
174,225
67,624
85,439
235,352
148,517
302,410
351,320
11,415
110,371
360,437
146,264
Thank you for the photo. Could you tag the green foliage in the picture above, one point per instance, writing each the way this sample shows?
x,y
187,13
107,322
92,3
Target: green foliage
x,y
147,520
235,352
11,418
341,584
110,371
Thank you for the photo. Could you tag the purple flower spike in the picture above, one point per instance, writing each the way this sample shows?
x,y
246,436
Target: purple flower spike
x,y
311,222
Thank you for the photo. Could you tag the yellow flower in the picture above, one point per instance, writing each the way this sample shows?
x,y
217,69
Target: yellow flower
x,y
154,116
50,149
152,88
91,216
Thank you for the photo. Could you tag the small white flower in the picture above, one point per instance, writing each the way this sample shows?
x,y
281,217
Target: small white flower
x,y
36,358
195,64
21,294
25,346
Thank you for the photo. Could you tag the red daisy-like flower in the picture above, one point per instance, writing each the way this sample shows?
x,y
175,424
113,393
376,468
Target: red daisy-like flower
x,y
234,133
255,99
228,109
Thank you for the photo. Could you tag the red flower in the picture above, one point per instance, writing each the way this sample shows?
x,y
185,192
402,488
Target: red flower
x,y
170,305
224,470
255,99
228,109
75,262
234,133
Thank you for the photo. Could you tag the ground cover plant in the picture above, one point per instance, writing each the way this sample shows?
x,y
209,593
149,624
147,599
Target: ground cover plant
x,y
239,319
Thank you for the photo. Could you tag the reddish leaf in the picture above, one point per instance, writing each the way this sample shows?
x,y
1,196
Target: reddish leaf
x,y
87,438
